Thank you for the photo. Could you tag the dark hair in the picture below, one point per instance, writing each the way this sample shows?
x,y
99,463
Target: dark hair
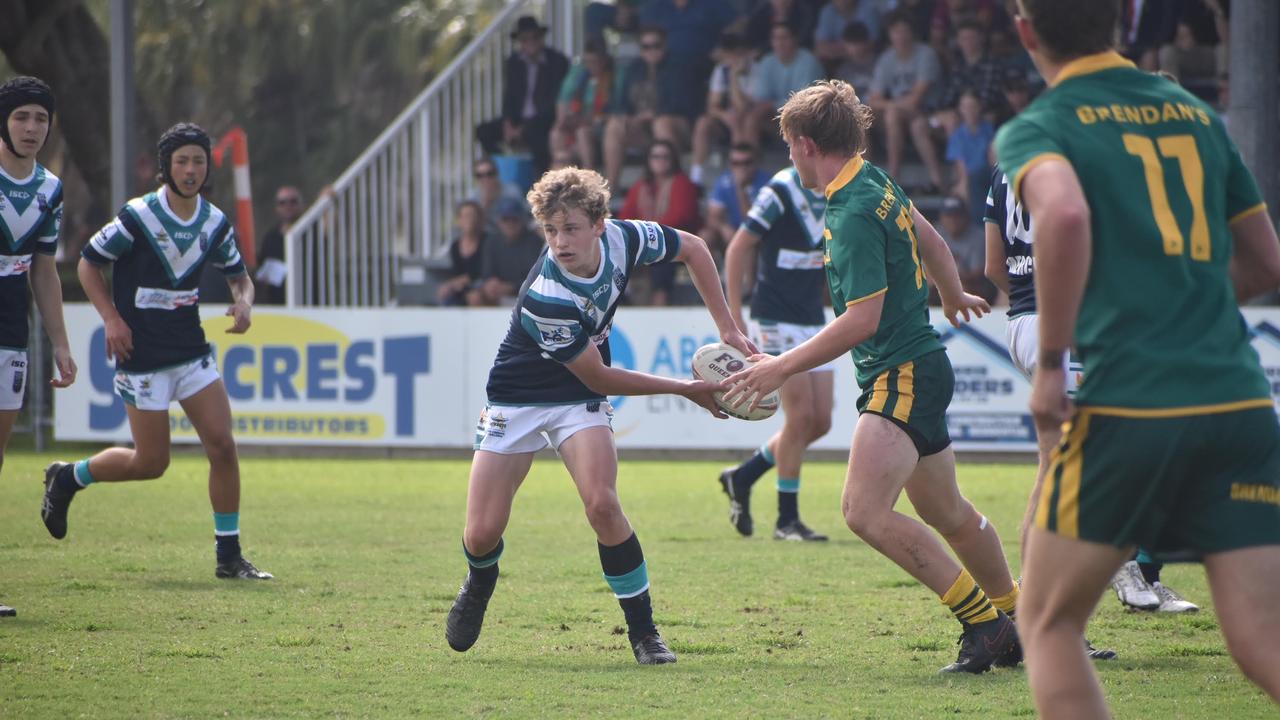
x,y
781,24
970,24
1070,30
855,32
671,150
731,41
653,30
898,16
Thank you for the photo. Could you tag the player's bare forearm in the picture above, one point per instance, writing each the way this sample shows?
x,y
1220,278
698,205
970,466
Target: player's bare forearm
x,y
737,258
94,282
1051,192
938,262
702,270
995,268
1255,264
589,367
46,288
838,337
242,289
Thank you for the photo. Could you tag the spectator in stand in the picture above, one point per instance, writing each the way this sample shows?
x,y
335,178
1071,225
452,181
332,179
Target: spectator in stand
x,y
690,25
271,275
729,101
795,14
1016,93
731,198
904,75
1145,25
969,152
834,20
506,260
466,254
859,65
968,246
489,189
658,99
1194,62
919,13
667,196
971,70
530,82
582,109
951,14
785,70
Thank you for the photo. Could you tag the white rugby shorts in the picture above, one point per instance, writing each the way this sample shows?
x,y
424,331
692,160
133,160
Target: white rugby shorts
x,y
1023,336
512,430
775,338
156,390
13,378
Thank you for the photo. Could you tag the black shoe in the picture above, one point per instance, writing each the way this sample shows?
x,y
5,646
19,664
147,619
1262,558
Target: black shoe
x,y
739,508
1012,656
466,617
651,650
56,502
1096,654
240,569
6,611
981,644
798,531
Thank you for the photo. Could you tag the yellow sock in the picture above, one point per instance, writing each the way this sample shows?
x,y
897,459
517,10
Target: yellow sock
x,y
968,602
1008,604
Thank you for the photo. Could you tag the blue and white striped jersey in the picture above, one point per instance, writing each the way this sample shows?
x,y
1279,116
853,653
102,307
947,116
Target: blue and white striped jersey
x,y
557,314
790,277
1004,211
30,217
155,285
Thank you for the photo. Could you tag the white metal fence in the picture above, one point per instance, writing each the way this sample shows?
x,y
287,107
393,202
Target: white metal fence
x,y
396,200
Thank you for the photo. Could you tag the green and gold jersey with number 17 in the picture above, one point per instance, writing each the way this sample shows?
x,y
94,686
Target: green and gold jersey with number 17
x,y
871,250
1159,329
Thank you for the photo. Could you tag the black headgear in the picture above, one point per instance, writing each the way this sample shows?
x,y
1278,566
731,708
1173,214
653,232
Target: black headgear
x,y
19,91
181,135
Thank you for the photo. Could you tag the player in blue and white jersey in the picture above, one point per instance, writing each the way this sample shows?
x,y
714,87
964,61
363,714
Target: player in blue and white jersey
x,y
158,245
30,216
550,384
782,237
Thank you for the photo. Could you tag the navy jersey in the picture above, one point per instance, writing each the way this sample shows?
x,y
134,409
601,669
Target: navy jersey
x,y
1005,212
30,215
790,280
155,285
558,314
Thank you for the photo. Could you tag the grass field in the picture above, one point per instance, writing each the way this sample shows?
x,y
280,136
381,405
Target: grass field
x,y
124,617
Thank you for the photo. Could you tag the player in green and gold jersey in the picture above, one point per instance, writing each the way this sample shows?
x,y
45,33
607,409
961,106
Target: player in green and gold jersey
x,y
1149,231
878,249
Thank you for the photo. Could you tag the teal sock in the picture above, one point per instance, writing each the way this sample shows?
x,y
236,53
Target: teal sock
x,y
83,477
484,568
226,533
788,500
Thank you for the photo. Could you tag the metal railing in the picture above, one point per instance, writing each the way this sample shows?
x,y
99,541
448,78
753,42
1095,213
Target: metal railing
x,y
397,199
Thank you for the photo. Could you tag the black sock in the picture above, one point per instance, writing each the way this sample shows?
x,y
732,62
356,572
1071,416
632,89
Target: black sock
x,y
484,568
228,547
750,471
788,507
628,577
65,480
1150,571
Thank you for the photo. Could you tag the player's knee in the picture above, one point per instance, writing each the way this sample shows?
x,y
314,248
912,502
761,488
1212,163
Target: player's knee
x,y
481,537
819,426
862,520
150,467
221,449
955,520
603,510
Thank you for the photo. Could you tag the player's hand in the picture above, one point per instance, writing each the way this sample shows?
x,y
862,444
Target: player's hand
x,y
66,367
968,304
119,340
739,340
753,384
240,311
702,393
1050,406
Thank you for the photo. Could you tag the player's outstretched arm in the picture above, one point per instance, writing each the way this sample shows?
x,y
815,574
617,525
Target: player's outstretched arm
x,y
940,266
737,264
589,367
1255,264
702,269
995,268
119,336
46,287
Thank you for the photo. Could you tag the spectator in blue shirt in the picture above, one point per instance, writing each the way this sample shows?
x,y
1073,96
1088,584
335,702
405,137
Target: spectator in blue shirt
x,y
787,69
690,26
732,196
795,14
834,18
969,150
729,101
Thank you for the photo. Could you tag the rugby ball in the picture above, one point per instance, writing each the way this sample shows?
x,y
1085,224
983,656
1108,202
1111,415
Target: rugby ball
x,y
715,363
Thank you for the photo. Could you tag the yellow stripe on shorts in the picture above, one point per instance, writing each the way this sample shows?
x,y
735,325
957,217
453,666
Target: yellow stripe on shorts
x,y
1065,470
906,391
879,393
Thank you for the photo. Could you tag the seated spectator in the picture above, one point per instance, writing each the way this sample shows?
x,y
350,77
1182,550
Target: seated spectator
x,y
1195,65
689,26
668,196
1144,27
794,14
968,246
859,64
834,20
969,151
657,100
729,101
903,77
1016,93
785,70
507,259
272,272
582,109
951,14
466,254
971,70
530,82
489,188
731,197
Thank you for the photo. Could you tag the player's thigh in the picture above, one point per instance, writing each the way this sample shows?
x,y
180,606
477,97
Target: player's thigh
x,y
1245,584
7,420
880,462
150,431
1063,578
934,493
592,461
491,490
798,401
209,411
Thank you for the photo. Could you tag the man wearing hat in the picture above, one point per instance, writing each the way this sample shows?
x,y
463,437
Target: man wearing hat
x,y
968,247
530,85
505,263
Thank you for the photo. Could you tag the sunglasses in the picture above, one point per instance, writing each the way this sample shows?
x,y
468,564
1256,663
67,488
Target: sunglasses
x,y
651,46
288,201
485,174
659,156
742,162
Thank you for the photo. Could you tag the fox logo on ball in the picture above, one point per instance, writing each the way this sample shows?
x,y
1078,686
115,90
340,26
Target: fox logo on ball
x,y
726,364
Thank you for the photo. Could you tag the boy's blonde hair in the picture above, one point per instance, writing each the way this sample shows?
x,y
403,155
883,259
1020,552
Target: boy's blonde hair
x,y
567,188
829,113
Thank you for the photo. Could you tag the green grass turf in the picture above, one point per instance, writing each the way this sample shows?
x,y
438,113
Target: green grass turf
x,y
124,617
